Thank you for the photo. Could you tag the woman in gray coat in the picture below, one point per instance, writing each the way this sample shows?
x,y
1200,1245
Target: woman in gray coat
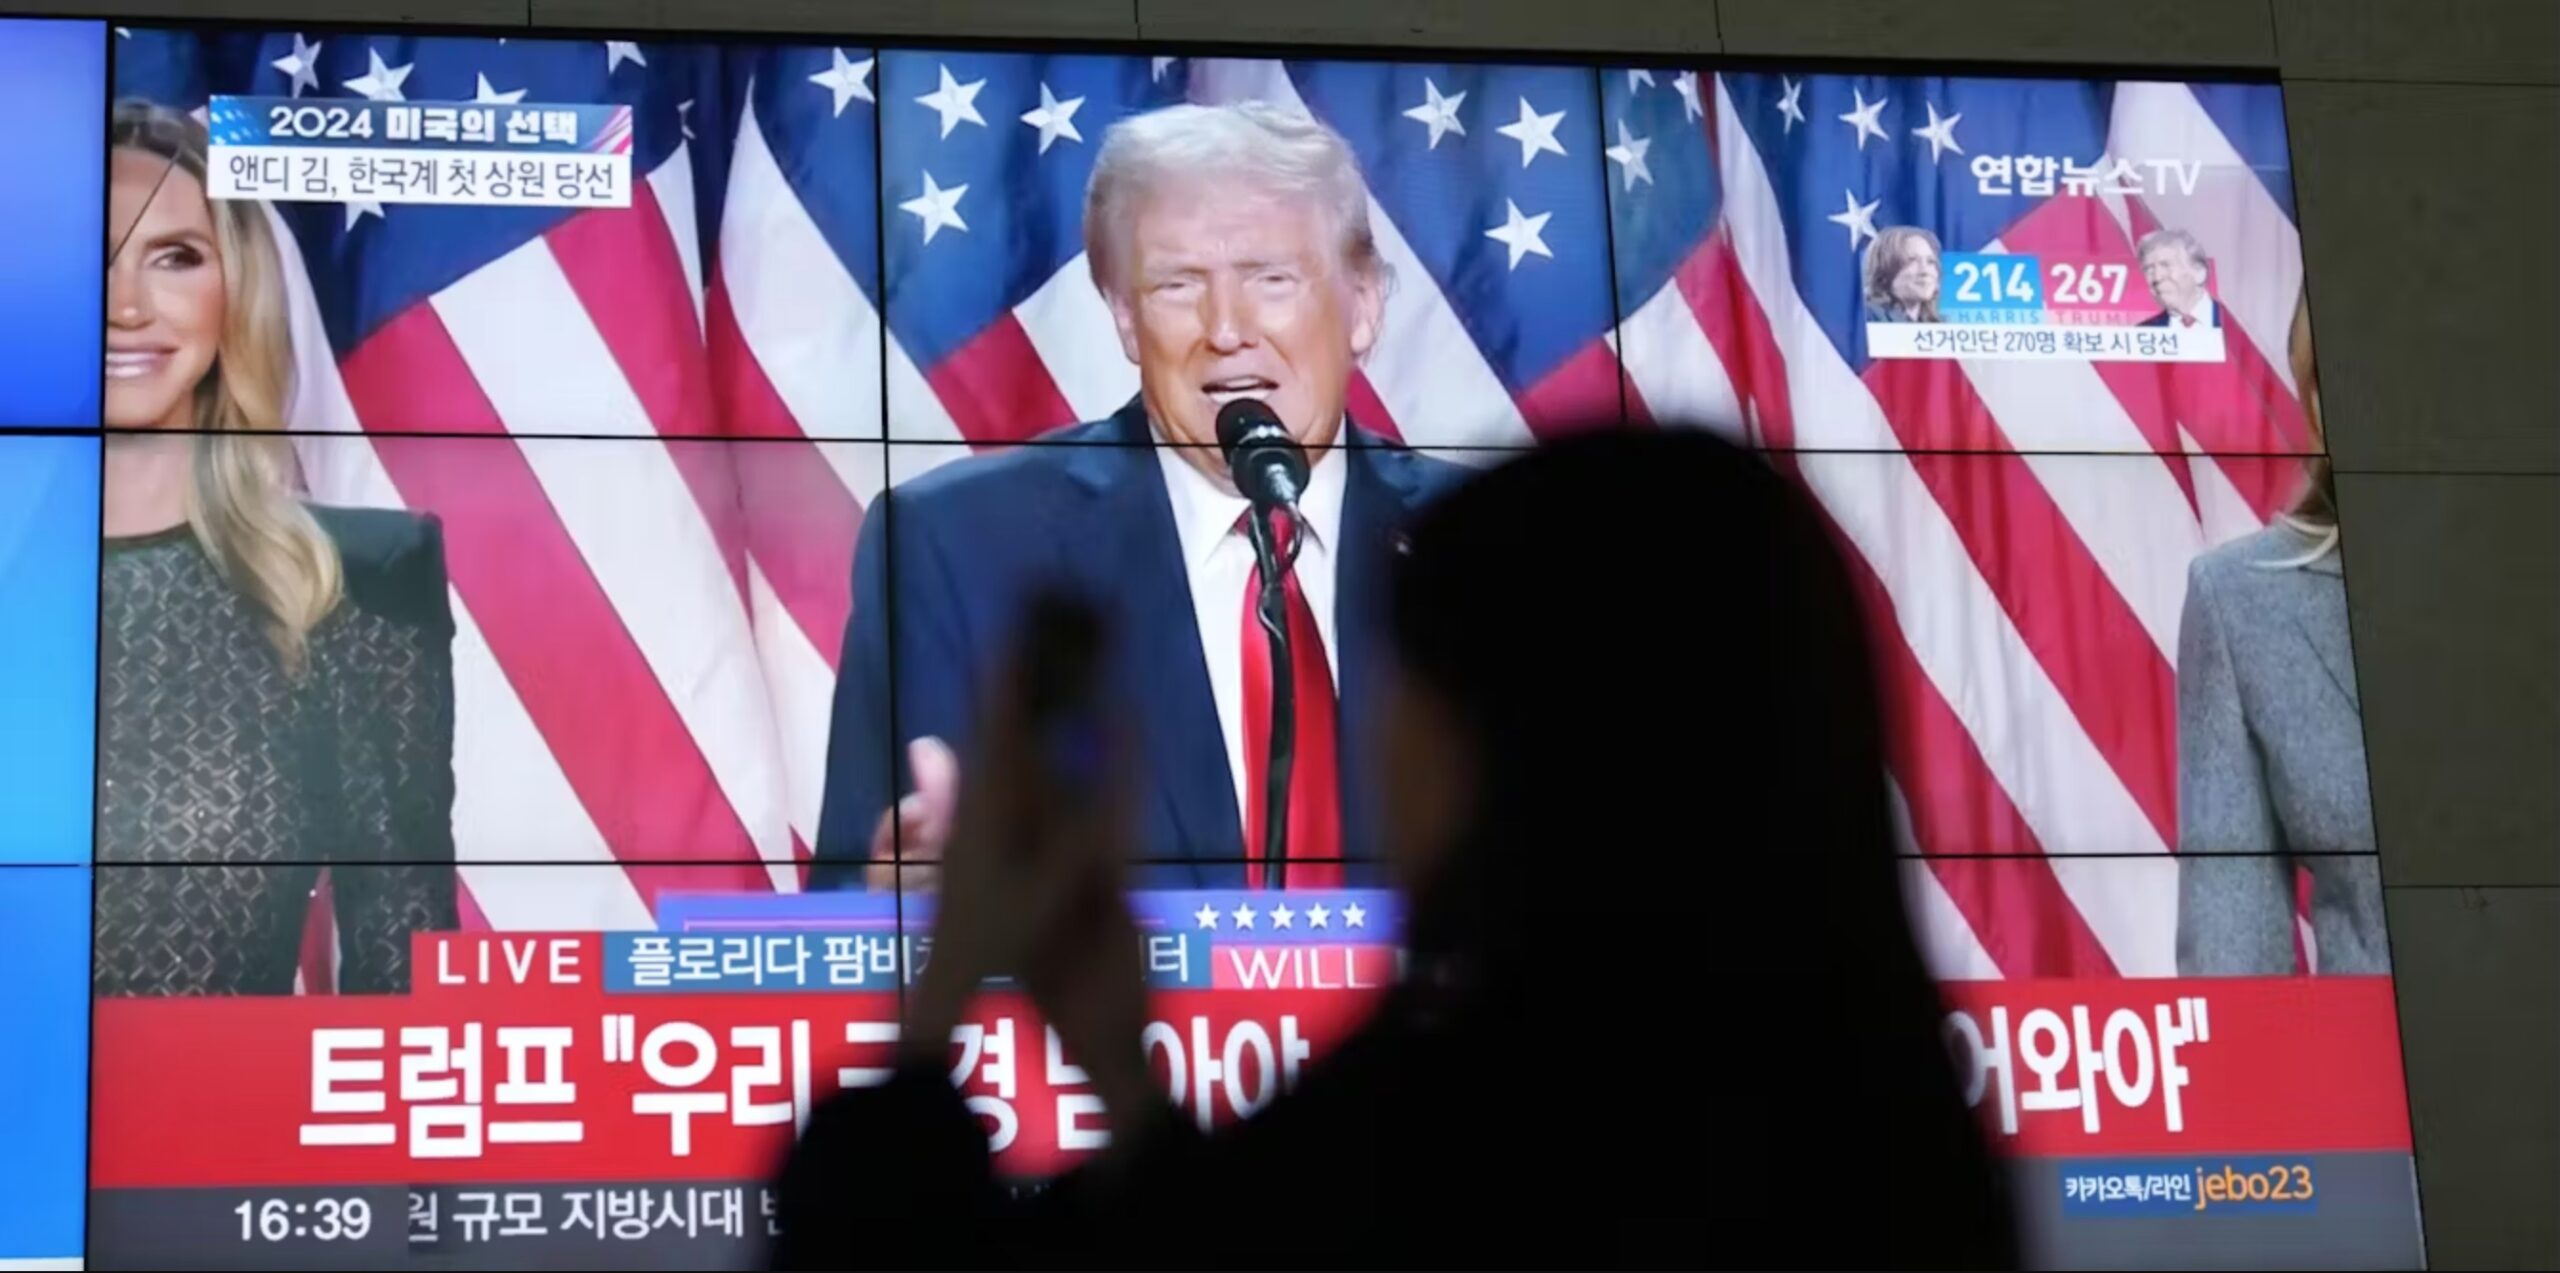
x,y
2271,766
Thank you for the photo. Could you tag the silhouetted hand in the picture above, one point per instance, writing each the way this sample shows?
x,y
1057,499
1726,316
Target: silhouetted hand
x,y
1034,885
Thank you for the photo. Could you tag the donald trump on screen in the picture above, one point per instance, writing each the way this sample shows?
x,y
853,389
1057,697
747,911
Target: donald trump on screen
x,y
1233,246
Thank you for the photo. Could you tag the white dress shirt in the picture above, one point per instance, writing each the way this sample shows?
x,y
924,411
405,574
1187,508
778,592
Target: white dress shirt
x,y
2203,313
1219,560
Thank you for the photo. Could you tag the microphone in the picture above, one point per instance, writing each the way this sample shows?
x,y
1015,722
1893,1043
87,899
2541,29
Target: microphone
x,y
1270,470
1269,466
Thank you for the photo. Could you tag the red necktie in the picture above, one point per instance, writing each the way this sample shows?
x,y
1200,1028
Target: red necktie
x,y
2187,319
1315,812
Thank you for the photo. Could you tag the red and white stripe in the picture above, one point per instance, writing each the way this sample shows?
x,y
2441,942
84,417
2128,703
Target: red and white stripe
x,y
647,624
2030,599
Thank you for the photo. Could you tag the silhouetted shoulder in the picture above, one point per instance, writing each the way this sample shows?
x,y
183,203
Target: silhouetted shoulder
x,y
393,561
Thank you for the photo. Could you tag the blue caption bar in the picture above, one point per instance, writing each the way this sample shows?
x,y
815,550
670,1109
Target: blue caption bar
x,y
800,962
530,127
1321,917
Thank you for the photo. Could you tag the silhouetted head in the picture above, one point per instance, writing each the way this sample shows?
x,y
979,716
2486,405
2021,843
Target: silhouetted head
x,y
1637,787
1634,691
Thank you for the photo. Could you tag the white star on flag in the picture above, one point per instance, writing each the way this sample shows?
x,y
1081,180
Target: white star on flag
x,y
849,80
1862,119
1207,915
1317,915
1687,83
1282,916
937,207
1629,154
303,65
1638,77
1439,114
1054,118
955,101
1523,235
124,33
1860,220
684,119
1940,133
1158,66
1353,916
1534,132
359,209
1791,104
1243,915
382,83
490,95
617,52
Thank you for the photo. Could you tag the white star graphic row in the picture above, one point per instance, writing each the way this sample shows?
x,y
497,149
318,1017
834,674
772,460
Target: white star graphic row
x,y
1244,916
938,208
1535,132
1685,84
1939,132
1861,117
849,81
381,82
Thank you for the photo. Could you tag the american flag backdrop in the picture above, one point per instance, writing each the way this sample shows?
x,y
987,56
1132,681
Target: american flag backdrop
x,y
649,611
2022,529
1569,244
649,624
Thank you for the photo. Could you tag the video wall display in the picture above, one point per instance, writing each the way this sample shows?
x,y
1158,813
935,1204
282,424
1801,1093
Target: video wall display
x,y
544,509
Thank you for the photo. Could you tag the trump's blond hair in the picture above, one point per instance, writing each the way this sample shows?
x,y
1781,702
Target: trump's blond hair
x,y
1276,150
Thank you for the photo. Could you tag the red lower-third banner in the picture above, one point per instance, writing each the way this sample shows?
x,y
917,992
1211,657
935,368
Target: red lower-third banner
x,y
553,1082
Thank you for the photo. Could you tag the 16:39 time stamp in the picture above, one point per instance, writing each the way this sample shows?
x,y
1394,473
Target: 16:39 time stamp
x,y
319,1219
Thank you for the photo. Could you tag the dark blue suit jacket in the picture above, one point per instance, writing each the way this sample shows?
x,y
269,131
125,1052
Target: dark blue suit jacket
x,y
1086,509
